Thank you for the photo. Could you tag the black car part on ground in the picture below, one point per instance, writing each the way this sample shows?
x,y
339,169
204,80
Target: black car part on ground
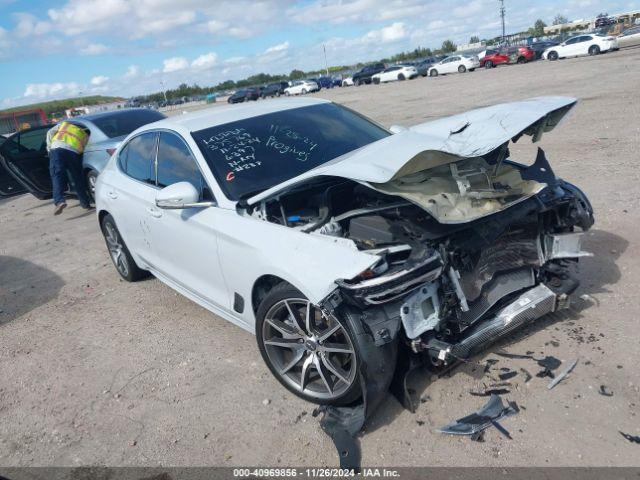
x,y
489,415
377,366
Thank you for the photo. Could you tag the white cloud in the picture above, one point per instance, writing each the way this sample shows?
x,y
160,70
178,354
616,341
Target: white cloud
x,y
132,71
205,61
94,49
28,25
175,64
99,80
89,16
393,33
41,91
277,48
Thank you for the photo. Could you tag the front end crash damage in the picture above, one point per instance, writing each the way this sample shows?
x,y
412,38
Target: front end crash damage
x,y
469,245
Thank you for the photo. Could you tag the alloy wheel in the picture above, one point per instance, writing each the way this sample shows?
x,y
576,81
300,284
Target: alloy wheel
x,y
310,350
116,249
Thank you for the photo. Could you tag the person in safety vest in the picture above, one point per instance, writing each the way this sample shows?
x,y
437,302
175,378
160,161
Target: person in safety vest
x,y
65,143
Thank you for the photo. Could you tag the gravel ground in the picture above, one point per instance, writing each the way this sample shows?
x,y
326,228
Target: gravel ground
x,y
97,371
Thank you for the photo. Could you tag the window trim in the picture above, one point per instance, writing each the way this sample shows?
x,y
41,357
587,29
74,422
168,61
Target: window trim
x,y
193,157
155,155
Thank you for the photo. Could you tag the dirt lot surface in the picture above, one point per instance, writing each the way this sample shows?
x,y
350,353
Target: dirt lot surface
x,y
98,371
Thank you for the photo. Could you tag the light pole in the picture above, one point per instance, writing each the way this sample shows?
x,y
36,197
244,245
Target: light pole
x,y
326,65
163,91
502,12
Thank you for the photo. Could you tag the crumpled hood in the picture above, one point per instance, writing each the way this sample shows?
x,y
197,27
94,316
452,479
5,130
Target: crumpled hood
x,y
428,145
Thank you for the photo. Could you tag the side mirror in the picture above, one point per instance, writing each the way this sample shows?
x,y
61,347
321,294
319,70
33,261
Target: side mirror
x,y
178,196
397,128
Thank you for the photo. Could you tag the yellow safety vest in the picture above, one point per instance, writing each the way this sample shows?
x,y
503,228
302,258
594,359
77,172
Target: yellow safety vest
x,y
72,135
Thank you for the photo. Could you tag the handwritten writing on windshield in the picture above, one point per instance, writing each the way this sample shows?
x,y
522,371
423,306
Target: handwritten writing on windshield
x,y
237,148
243,150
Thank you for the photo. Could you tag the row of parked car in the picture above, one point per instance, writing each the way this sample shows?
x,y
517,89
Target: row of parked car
x,y
584,44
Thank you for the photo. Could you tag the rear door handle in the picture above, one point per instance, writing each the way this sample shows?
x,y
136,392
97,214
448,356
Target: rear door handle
x,y
154,212
112,194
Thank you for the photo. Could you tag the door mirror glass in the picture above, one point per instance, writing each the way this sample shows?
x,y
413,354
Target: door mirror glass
x,y
397,128
180,195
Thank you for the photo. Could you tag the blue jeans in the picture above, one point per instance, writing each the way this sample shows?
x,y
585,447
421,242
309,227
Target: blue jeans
x,y
62,161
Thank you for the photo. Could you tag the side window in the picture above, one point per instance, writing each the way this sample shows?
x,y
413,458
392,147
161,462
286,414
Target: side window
x,y
34,140
137,157
176,164
585,38
573,40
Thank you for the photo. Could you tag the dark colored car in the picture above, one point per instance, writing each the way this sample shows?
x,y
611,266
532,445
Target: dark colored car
x,y
539,47
604,21
336,81
324,82
274,89
9,186
507,55
423,65
244,95
364,75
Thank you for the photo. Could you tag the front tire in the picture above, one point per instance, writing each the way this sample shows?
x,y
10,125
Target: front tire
x,y
462,69
311,354
433,73
552,55
521,60
119,253
594,50
304,91
401,77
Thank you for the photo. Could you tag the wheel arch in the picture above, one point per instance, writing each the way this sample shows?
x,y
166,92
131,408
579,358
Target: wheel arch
x,y
262,286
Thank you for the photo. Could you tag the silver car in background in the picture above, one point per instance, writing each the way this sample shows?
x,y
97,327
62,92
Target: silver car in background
x,y
108,129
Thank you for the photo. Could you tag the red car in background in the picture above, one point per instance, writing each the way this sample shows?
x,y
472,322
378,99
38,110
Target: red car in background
x,y
507,55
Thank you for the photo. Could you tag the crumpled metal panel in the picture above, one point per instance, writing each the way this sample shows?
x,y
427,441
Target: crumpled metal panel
x,y
439,142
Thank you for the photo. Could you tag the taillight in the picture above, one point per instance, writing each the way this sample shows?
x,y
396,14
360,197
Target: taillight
x,y
111,151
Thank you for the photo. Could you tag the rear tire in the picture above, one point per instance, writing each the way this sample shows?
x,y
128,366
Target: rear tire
x,y
376,81
401,77
119,253
462,69
292,347
92,178
488,64
594,50
521,60
304,91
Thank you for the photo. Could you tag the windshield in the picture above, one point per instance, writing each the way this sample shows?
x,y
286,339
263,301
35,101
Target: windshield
x,y
123,123
254,154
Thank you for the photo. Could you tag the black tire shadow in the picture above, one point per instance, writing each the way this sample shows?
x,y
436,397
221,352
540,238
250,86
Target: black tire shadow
x,y
596,275
25,286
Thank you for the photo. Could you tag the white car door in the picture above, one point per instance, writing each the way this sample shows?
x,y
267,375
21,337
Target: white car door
x,y
133,195
571,47
452,65
444,65
185,242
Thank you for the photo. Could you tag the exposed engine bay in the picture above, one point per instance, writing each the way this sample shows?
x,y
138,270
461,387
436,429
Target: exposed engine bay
x,y
468,250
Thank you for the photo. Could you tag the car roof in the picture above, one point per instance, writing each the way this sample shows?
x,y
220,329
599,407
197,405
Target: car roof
x,y
219,115
110,113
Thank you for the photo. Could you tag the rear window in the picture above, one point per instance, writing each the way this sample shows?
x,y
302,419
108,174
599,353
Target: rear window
x,y
123,123
254,154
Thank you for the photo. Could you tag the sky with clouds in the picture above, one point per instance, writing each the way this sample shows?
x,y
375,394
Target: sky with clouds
x,y
51,50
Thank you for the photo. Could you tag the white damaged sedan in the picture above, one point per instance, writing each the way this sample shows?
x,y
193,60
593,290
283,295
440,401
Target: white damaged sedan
x,y
339,243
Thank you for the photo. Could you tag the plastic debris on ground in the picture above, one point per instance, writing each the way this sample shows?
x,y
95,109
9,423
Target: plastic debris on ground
x,y
562,375
489,415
